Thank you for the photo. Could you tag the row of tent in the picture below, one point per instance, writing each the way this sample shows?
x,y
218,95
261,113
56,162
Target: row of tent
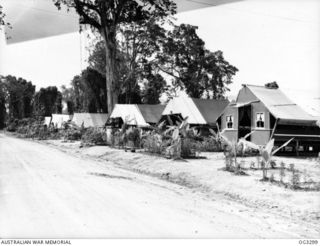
x,y
197,112
266,112
80,119
270,102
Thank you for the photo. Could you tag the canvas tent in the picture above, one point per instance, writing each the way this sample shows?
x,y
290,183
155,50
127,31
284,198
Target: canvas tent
x,y
269,113
47,121
90,119
197,111
58,119
141,115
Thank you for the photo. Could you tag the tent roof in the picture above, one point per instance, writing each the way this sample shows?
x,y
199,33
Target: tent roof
x,y
279,105
90,119
151,113
58,119
47,120
210,109
138,114
198,111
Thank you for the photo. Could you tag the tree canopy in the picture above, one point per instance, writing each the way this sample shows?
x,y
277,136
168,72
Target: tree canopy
x,y
18,93
150,56
193,68
87,93
48,101
105,17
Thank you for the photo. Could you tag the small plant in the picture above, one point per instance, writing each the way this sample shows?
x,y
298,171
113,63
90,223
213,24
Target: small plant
x,y
305,176
282,171
210,144
94,136
291,167
133,137
272,178
295,179
258,162
72,134
266,153
228,163
252,165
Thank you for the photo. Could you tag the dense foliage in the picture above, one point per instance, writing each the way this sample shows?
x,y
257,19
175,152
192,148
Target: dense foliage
x,y
86,93
105,17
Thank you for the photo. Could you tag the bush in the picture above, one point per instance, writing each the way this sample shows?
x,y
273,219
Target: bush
x,y
153,143
72,134
93,136
31,128
190,147
116,139
133,137
209,144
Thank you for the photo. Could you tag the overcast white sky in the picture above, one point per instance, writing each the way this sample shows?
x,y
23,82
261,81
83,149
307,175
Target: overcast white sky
x,y
267,40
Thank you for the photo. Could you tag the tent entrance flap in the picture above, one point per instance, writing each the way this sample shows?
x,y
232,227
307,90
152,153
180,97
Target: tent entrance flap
x,y
245,121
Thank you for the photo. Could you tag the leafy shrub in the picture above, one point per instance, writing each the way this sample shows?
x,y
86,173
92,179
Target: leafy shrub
x,y
72,134
31,128
93,136
190,147
272,178
209,144
295,180
154,143
282,171
116,139
133,137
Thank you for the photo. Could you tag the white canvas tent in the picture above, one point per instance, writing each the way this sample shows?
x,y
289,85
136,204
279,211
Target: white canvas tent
x,y
90,119
130,114
47,121
58,119
197,111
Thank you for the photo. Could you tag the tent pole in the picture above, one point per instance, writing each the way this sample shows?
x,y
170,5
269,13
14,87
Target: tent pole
x,y
274,128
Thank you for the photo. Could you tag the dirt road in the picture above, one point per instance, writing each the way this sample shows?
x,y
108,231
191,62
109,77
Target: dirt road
x,y
49,194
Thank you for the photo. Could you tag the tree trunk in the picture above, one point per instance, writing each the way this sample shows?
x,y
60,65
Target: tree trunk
x,y
111,75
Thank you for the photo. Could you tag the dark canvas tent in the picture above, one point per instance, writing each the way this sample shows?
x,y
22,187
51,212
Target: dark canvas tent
x,y
90,119
197,111
142,115
270,114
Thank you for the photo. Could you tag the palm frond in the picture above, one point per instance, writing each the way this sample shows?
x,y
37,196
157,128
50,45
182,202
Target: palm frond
x,y
283,145
249,134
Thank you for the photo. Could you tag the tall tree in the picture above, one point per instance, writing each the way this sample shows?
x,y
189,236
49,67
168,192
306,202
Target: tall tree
x,y
68,97
87,93
2,18
193,68
3,95
105,18
48,101
95,86
20,95
154,85
138,44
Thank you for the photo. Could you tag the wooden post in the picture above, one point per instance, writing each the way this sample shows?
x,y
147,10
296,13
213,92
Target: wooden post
x,y
274,128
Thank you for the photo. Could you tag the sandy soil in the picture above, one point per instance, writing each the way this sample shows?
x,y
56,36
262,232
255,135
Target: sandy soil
x,y
89,193
205,176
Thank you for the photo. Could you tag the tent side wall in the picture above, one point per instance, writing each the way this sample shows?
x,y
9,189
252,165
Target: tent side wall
x,y
261,135
230,134
245,95
129,113
186,108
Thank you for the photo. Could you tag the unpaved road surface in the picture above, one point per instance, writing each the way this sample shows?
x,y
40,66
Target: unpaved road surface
x,y
45,193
